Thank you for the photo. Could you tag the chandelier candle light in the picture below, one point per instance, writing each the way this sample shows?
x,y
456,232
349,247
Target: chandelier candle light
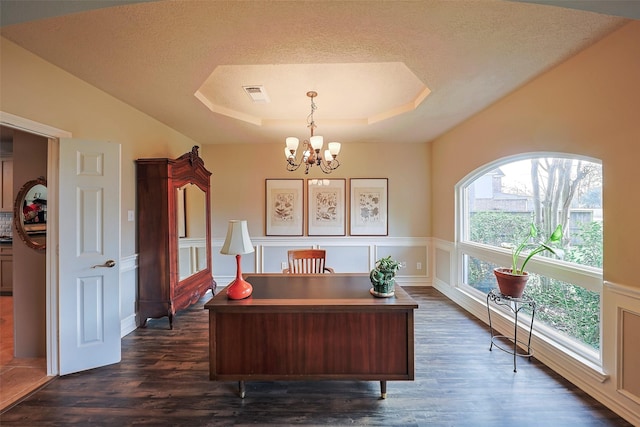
x,y
311,148
237,243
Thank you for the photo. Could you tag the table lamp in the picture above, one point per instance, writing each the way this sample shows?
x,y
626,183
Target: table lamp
x,y
237,243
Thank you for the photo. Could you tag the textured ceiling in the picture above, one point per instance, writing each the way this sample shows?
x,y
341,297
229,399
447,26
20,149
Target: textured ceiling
x,y
364,58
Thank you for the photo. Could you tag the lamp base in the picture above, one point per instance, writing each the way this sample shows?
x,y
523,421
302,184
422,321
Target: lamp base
x,y
239,289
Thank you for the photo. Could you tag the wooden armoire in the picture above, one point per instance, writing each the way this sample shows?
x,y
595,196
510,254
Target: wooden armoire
x,y
173,235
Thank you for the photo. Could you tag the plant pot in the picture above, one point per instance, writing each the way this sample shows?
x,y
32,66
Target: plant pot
x,y
511,285
383,285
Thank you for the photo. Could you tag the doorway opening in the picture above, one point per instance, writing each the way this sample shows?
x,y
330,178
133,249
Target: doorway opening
x,y
23,274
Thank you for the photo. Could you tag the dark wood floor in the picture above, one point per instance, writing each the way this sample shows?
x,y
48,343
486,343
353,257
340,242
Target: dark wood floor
x,y
163,381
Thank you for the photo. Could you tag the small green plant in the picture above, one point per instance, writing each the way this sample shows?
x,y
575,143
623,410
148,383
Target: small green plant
x,y
385,270
555,237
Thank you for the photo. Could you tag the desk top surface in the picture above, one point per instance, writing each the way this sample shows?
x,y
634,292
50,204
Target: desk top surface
x,y
328,291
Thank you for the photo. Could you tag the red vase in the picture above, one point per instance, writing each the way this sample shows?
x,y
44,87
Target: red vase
x,y
511,285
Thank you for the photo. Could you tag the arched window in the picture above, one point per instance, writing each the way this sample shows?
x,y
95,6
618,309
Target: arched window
x,y
496,206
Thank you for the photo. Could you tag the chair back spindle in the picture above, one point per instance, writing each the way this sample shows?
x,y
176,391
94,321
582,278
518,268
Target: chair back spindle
x,y
307,261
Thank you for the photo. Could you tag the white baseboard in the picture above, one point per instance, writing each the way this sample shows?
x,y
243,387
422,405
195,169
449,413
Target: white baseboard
x,y
127,325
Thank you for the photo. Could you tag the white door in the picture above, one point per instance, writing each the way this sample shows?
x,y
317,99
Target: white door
x,y
89,252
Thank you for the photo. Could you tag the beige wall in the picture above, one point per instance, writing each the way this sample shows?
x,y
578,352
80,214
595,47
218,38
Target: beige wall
x,y
34,89
588,105
239,173
29,266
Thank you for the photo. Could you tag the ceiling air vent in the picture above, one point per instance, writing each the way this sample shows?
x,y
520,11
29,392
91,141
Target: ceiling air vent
x,y
257,94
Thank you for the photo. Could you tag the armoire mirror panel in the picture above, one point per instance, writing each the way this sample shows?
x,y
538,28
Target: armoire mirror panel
x,y
174,227
192,229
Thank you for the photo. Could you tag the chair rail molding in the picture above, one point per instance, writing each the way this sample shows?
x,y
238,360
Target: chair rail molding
x,y
344,254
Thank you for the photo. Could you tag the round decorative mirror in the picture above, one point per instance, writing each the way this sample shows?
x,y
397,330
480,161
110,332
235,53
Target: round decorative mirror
x,y
30,214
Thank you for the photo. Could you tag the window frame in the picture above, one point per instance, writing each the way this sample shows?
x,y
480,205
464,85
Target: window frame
x,y
590,278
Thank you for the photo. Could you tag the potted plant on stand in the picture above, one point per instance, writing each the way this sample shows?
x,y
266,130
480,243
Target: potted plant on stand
x,y
512,281
383,277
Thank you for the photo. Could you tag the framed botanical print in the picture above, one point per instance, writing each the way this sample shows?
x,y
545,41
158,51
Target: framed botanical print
x,y
369,207
326,207
284,200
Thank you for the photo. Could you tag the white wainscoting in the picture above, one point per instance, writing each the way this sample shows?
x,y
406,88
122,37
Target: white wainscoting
x,y
128,293
344,255
621,343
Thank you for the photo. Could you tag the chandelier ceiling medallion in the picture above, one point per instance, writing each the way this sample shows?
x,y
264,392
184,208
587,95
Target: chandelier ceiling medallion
x,y
311,148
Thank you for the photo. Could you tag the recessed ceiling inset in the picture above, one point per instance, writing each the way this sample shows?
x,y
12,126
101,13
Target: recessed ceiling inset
x,y
351,94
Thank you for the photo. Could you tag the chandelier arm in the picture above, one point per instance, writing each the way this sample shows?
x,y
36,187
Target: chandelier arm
x,y
328,167
291,166
307,160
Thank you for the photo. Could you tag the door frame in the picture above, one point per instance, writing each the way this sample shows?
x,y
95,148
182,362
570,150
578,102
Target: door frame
x,y
53,152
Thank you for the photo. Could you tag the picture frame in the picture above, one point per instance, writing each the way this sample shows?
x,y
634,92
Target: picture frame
x,y
369,207
326,207
284,205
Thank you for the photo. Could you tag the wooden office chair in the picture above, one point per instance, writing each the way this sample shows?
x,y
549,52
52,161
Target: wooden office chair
x,y
307,261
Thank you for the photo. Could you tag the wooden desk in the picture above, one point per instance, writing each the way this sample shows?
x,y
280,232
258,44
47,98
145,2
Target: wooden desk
x,y
317,327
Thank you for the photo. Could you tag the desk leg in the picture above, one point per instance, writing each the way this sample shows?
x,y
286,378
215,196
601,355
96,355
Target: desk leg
x,y
383,389
241,389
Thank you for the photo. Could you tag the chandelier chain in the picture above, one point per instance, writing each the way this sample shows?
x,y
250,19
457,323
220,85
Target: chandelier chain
x,y
311,124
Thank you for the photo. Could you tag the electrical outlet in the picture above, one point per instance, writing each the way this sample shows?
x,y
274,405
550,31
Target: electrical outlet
x,y
283,265
130,215
419,266
403,264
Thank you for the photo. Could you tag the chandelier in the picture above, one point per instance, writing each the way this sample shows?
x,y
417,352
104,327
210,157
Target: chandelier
x,y
311,148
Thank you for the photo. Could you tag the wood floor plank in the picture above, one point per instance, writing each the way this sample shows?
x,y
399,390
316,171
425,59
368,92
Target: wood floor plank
x,y
18,377
162,380
18,381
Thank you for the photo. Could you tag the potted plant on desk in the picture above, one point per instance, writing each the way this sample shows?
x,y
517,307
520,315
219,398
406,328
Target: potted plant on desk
x,y
383,277
512,281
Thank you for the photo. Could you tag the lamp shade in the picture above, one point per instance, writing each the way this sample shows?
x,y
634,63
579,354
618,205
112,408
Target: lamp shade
x,y
316,142
334,148
292,143
237,240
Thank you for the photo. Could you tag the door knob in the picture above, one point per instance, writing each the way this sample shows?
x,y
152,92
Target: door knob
x,y
109,263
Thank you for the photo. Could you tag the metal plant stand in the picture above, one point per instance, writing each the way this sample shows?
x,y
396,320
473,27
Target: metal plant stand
x,y
515,305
